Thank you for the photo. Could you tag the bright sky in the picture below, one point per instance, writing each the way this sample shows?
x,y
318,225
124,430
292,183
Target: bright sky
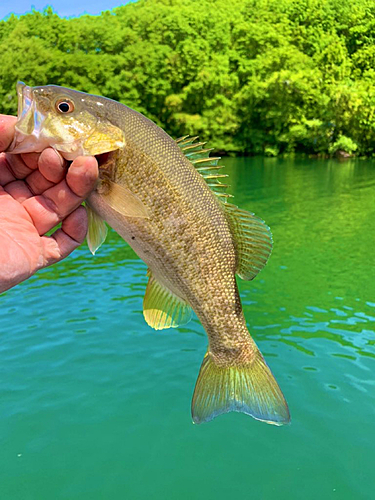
x,y
62,7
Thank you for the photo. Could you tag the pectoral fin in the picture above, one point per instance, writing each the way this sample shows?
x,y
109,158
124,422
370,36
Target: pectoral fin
x,y
162,308
124,201
252,238
97,230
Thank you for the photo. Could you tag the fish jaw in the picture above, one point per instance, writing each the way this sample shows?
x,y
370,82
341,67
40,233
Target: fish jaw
x,y
28,137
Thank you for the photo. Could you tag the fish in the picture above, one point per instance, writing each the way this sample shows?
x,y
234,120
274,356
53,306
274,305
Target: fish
x,y
166,198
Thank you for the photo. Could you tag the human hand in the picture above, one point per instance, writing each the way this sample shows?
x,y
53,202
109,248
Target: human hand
x,y
37,191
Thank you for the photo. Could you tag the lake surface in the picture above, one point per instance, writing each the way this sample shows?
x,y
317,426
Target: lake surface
x,y
94,405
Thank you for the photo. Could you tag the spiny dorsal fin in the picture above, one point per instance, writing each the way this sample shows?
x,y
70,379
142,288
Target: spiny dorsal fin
x,y
97,230
162,308
207,166
252,239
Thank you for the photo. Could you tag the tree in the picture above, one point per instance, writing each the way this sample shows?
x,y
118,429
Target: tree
x,y
250,76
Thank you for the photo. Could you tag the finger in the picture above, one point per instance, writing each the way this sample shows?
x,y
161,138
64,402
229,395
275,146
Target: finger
x,y
63,199
80,181
31,160
5,171
18,190
49,162
71,234
82,175
7,124
37,182
51,170
17,166
42,212
52,166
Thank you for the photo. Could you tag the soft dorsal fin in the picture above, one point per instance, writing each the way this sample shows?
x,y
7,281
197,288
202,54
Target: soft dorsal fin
x,y
207,166
252,239
97,230
162,308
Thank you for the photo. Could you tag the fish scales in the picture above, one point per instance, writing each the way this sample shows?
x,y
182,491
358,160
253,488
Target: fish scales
x,y
192,256
193,244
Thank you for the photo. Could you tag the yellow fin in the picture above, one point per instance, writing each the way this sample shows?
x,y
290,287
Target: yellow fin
x,y
162,308
249,389
124,201
105,138
97,230
252,238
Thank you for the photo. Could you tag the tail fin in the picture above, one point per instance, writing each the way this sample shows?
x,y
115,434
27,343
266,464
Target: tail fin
x,y
249,388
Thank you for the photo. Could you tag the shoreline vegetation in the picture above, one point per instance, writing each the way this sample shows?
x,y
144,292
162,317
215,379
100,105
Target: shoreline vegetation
x,y
251,77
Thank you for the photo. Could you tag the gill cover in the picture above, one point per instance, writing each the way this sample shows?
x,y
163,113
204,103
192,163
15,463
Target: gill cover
x,y
73,130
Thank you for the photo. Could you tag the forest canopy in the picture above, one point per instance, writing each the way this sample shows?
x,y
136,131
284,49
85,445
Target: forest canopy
x,y
251,76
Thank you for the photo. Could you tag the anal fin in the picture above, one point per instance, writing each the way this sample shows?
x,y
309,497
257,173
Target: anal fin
x,y
162,308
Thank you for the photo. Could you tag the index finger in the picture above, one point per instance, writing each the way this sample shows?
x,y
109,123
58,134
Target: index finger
x,y
7,124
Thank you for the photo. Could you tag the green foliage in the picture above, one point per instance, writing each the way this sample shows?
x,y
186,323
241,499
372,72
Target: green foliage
x,y
343,143
251,76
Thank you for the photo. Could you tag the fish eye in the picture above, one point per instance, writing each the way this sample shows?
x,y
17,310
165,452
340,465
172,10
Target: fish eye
x,y
64,106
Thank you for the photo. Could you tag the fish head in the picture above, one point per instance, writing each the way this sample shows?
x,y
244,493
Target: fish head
x,y
74,123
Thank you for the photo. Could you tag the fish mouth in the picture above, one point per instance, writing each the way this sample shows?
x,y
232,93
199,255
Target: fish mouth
x,y
27,137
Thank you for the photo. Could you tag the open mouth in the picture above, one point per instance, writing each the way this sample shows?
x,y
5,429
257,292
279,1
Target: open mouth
x,y
27,137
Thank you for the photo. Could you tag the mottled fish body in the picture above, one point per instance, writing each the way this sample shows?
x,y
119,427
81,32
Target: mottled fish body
x,y
165,199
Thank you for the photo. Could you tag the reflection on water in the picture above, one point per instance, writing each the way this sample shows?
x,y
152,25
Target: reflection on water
x,y
86,387
321,272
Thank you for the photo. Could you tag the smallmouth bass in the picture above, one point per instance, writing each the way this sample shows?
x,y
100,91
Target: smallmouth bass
x,y
165,199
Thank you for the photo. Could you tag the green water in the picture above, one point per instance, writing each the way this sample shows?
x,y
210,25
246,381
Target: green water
x,y
94,405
